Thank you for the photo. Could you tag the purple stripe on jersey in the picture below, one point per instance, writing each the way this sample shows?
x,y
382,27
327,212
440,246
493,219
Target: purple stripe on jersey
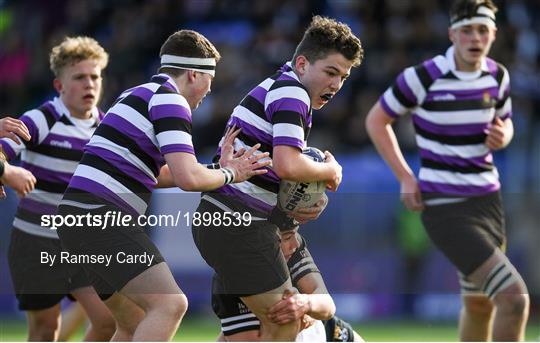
x,y
10,153
37,207
100,191
283,140
286,77
51,108
250,130
432,69
259,94
506,115
169,110
46,174
461,190
143,93
387,108
450,130
246,199
469,94
32,128
101,114
291,104
287,104
170,148
169,85
76,143
123,165
480,161
492,66
405,89
133,132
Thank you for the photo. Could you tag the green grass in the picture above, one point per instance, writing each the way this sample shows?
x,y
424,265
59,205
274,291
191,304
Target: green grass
x,y
201,330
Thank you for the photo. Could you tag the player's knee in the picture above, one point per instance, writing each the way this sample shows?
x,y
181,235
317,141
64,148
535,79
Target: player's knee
x,y
104,326
478,306
174,306
43,328
512,303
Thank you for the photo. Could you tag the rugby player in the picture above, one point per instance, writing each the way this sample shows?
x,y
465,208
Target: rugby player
x,y
461,109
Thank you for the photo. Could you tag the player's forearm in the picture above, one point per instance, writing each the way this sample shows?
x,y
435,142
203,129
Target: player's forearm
x,y
301,169
379,128
199,179
509,132
321,306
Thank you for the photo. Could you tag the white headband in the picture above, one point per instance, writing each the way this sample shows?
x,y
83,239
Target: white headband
x,y
483,16
203,65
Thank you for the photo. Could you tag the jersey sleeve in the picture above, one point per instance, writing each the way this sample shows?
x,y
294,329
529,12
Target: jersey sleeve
x,y
39,123
170,115
288,107
503,107
411,87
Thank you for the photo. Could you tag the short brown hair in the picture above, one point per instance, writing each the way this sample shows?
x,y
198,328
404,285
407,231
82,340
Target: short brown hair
x,y
76,49
467,8
187,43
325,36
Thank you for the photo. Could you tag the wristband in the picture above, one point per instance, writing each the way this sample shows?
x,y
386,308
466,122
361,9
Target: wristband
x,y
213,166
228,174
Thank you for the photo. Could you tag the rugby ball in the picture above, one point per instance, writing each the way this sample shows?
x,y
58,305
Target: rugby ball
x,y
294,195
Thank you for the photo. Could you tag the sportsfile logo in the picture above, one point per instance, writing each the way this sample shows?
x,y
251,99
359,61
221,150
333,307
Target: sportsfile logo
x,y
299,194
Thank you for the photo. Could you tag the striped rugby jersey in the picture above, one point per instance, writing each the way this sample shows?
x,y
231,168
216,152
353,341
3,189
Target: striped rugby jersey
x,y
52,156
451,111
276,112
123,159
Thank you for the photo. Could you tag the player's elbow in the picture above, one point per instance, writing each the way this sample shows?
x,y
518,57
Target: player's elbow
x,y
330,309
326,308
284,170
188,183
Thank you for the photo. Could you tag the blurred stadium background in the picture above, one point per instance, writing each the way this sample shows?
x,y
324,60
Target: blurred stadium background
x,y
378,264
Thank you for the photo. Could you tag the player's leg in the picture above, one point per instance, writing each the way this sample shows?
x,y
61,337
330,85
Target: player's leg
x,y
476,316
249,263
72,320
127,315
471,234
502,283
164,305
259,304
39,287
149,285
44,325
102,325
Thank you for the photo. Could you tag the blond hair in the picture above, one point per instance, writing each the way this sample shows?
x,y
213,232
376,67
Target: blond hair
x,y
76,49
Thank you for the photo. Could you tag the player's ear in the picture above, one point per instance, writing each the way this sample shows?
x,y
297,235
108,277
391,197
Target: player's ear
x,y
57,84
192,75
451,35
300,64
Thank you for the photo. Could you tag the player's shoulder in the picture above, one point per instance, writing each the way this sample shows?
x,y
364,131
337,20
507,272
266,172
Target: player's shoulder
x,y
431,69
497,69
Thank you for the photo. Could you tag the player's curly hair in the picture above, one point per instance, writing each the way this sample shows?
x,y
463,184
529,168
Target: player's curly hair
x,y
325,36
187,43
467,8
76,49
